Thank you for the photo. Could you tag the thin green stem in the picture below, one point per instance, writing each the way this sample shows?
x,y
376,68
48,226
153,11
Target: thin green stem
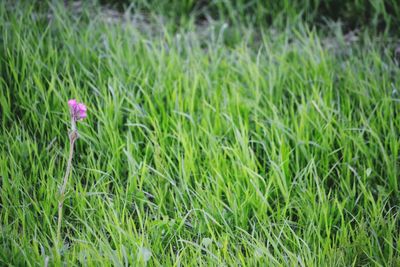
x,y
72,138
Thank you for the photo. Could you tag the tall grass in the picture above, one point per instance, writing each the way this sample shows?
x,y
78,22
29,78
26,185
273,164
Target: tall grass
x,y
377,14
213,145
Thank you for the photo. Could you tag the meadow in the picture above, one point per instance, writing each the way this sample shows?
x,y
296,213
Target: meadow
x,y
215,141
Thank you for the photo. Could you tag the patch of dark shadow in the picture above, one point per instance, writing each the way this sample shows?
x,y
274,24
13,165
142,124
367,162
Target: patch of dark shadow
x,y
119,5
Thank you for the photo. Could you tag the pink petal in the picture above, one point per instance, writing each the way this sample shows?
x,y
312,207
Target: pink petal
x,y
82,107
72,103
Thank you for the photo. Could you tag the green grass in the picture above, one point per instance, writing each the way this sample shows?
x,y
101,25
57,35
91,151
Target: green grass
x,y
376,14
212,145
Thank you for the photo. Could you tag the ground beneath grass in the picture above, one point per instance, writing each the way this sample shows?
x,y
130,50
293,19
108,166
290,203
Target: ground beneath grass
x,y
208,145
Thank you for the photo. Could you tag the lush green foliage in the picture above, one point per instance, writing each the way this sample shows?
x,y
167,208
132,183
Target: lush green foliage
x,y
211,145
376,14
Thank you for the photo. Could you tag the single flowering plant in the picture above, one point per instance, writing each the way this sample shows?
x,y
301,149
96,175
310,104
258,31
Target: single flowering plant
x,y
78,113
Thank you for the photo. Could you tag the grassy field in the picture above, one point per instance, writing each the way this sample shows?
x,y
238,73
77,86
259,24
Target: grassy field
x,y
207,144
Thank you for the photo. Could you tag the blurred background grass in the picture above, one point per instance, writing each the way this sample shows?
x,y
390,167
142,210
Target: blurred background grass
x,y
381,15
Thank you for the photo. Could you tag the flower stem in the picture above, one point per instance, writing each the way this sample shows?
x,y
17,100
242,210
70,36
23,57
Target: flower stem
x,y
72,138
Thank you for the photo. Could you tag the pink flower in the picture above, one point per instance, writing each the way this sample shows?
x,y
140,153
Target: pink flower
x,y
78,110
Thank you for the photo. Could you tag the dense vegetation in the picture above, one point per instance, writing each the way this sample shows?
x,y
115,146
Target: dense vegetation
x,y
378,14
224,138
